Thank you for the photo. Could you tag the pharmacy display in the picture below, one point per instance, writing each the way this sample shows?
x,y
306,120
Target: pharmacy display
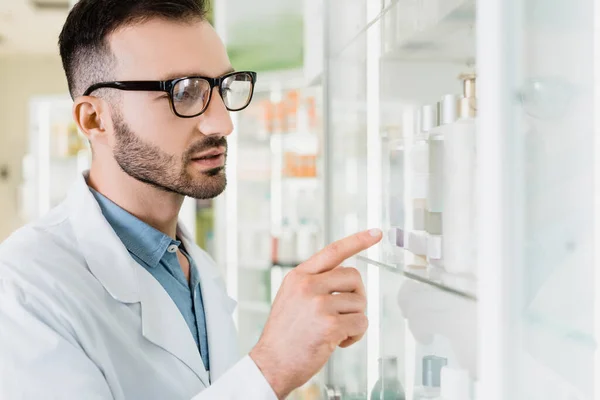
x,y
442,195
465,130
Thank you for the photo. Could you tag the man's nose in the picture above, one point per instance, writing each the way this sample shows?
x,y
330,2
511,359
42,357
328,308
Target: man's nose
x,y
216,119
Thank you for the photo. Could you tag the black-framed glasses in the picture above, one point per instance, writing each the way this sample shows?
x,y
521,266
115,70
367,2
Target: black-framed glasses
x,y
190,96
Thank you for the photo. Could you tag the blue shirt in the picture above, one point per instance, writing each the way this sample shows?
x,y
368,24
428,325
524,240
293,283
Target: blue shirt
x,y
157,253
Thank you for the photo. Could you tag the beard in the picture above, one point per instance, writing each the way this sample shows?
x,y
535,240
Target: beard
x,y
147,163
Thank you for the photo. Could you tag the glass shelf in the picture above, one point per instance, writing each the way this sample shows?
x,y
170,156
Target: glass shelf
x,y
368,25
461,285
441,31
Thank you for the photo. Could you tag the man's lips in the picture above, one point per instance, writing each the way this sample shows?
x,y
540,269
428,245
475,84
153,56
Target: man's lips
x,y
209,154
210,160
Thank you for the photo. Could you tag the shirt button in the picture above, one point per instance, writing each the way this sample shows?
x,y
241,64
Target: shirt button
x,y
172,248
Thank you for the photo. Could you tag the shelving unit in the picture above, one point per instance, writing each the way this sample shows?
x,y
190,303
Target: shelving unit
x,y
57,153
519,312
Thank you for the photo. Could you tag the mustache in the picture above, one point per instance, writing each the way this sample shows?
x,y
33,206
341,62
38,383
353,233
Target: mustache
x,y
209,143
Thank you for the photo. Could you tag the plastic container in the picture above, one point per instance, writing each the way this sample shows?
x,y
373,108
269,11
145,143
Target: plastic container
x,y
459,186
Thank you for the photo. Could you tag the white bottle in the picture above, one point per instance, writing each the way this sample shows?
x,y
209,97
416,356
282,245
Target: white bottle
x,y
435,203
417,236
459,185
455,384
397,205
447,109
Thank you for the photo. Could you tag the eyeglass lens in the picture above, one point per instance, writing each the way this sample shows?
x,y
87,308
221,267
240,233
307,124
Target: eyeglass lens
x,y
191,96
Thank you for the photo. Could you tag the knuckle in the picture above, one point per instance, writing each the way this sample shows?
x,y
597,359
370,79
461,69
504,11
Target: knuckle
x,y
330,327
305,285
291,277
333,249
321,304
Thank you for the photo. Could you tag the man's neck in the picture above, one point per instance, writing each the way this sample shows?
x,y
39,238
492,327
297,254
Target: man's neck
x,y
155,207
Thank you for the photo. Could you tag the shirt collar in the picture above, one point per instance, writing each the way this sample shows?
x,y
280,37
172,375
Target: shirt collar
x,y
142,240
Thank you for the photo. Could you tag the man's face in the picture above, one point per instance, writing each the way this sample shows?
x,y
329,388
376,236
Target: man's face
x,y
149,142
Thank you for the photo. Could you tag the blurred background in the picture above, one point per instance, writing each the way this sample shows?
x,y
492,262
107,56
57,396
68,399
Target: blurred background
x,y
465,129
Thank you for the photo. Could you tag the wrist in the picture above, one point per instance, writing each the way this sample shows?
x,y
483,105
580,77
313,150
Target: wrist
x,y
273,373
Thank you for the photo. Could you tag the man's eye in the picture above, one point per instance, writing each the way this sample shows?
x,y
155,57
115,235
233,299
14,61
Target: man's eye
x,y
181,96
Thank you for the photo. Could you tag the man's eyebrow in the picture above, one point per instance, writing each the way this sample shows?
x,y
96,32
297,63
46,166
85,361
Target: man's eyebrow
x,y
172,76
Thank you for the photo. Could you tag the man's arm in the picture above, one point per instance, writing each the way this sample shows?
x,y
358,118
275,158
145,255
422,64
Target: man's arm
x,y
319,307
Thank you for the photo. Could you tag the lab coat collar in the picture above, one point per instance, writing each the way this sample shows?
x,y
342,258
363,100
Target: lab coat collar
x,y
126,281
105,254
142,240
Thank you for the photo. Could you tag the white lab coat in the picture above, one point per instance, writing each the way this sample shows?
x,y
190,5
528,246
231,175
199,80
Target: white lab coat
x,y
80,319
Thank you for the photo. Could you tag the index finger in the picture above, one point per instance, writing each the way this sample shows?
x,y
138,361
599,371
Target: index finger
x,y
335,254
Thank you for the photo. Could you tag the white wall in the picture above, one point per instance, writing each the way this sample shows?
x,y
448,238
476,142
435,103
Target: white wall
x,y
21,77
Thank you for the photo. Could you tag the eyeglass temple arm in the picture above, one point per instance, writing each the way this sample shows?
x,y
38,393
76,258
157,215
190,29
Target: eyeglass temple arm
x,y
150,86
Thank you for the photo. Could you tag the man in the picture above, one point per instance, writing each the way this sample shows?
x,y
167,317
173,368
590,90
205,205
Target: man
x,y
106,297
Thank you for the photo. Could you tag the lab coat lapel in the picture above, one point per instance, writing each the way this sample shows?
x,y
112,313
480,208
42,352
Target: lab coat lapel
x,y
218,309
222,338
163,325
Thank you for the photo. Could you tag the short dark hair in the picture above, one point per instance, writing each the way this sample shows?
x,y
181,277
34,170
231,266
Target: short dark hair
x,y
84,51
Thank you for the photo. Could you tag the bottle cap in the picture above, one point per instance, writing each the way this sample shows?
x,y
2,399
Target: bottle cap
x,y
432,366
456,384
427,118
449,106
467,106
469,85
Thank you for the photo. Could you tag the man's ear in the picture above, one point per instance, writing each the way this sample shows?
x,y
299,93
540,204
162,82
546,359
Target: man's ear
x,y
92,116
